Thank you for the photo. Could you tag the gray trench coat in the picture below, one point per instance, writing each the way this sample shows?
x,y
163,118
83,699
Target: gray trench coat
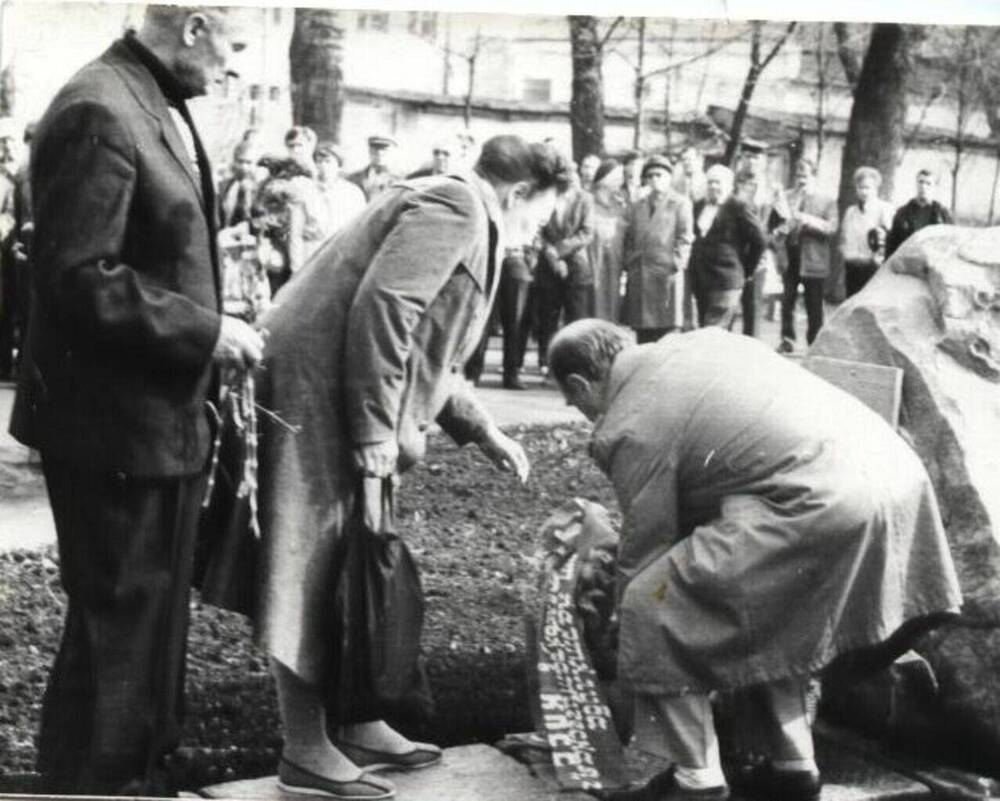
x,y
657,245
772,521
365,344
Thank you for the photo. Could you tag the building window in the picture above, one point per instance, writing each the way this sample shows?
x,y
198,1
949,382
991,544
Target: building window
x,y
423,23
377,21
538,90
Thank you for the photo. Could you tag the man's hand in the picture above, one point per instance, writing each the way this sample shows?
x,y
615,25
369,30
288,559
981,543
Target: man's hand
x,y
238,344
506,453
560,269
377,459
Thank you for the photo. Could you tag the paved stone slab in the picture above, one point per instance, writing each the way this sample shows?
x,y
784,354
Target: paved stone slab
x,y
468,773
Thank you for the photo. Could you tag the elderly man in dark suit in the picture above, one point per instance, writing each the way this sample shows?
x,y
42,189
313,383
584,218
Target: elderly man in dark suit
x,y
728,243
123,344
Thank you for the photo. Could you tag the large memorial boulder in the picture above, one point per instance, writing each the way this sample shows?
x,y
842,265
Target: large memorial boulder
x,y
934,311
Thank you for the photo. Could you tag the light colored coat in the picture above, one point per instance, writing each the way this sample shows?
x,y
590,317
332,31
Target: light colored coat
x,y
366,344
658,241
763,536
607,251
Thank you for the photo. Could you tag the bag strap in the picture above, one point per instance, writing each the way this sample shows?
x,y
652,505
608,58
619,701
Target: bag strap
x,y
377,503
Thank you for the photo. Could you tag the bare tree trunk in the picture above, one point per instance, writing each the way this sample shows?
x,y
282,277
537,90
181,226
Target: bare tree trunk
x,y
961,113
471,59
878,114
586,108
316,75
757,66
668,83
849,58
821,64
639,87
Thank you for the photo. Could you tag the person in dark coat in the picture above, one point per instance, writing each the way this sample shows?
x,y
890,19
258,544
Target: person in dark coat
x,y
124,339
764,538
728,243
920,211
365,350
564,277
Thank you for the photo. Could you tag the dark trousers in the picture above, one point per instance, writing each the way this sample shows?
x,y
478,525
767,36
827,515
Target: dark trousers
x,y
513,299
750,302
114,703
857,273
812,290
559,298
11,306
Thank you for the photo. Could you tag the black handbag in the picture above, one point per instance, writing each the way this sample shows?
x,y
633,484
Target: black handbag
x,y
376,670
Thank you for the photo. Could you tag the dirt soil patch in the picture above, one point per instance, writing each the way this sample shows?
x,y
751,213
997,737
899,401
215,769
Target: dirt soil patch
x,y
471,530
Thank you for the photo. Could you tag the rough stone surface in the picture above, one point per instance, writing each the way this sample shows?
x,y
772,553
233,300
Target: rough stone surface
x,y
934,311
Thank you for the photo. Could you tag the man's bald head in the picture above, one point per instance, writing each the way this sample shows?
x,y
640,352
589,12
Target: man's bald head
x,y
196,43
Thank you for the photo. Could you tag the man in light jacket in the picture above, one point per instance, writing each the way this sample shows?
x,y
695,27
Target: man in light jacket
x,y
763,538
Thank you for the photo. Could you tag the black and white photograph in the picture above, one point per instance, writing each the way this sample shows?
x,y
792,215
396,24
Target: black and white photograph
x,y
482,403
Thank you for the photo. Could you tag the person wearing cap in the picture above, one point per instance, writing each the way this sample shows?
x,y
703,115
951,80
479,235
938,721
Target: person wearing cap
x,y
342,198
376,177
564,276
658,237
607,249
728,244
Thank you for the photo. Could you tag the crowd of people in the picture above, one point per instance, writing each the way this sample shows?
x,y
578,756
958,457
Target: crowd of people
x,y
151,304
653,242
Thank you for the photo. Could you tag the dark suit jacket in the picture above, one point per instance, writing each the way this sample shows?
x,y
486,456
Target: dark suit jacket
x,y
906,222
729,250
125,311
570,233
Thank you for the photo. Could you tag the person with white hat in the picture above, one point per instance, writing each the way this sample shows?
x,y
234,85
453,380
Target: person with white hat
x,y
377,176
344,199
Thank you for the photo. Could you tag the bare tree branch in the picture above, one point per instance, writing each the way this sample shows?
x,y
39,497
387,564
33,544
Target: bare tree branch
x,y
693,59
778,44
607,34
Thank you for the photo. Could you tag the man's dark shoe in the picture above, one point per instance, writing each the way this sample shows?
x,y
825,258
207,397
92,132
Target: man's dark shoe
x,y
764,782
663,787
512,382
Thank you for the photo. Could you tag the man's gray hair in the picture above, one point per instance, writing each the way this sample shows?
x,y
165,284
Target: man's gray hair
x,y
162,17
587,348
